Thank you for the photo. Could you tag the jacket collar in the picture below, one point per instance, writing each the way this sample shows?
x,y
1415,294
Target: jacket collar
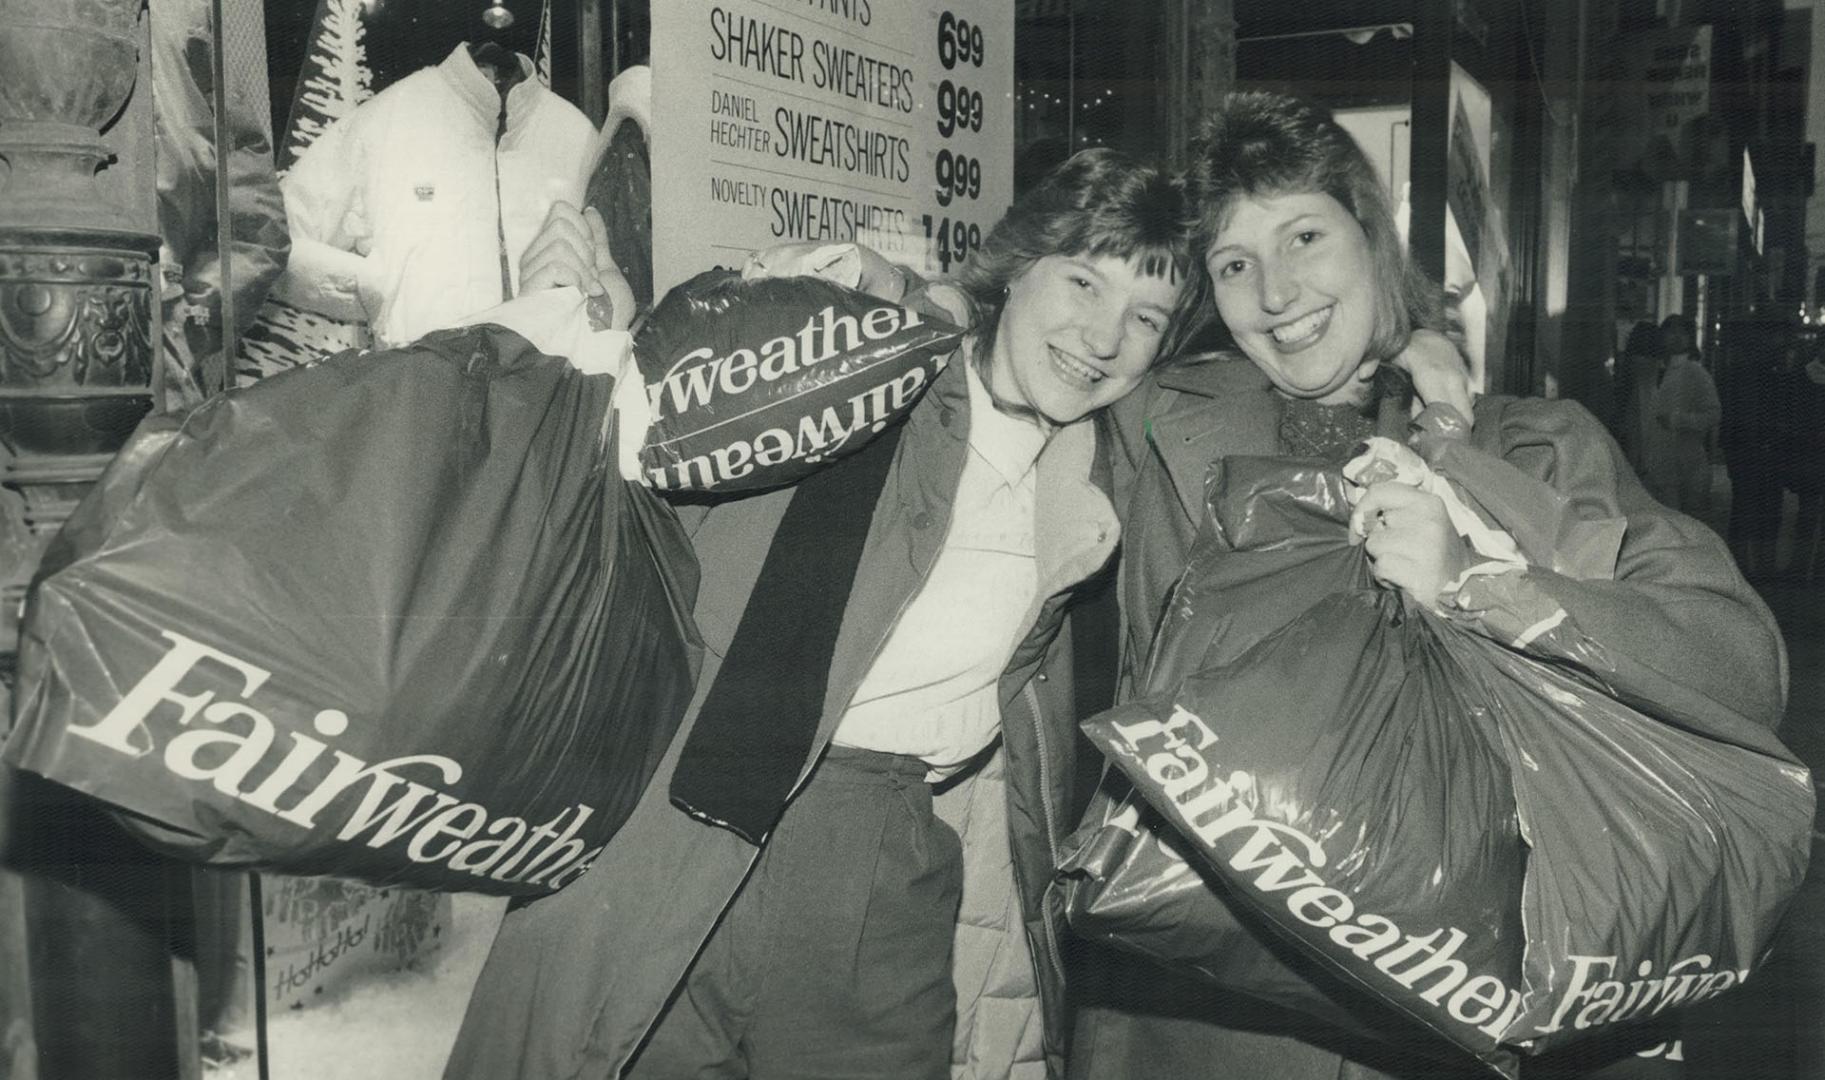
x,y
478,93
1215,404
1212,375
1076,527
1009,444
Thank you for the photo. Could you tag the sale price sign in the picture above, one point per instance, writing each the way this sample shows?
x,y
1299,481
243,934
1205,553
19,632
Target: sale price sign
x,y
884,122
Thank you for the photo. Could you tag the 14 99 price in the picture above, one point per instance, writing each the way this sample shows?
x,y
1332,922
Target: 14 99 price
x,y
954,240
958,41
959,176
959,108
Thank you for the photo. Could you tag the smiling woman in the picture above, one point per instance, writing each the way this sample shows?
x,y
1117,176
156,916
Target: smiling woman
x,y
1293,221
1082,287
1079,332
1317,299
877,631
1294,283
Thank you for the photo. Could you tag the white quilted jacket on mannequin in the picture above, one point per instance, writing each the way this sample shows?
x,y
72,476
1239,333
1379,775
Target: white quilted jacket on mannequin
x,y
411,212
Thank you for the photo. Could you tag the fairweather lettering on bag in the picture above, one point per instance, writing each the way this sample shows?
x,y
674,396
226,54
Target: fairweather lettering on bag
x,y
699,377
815,437
428,824
1280,861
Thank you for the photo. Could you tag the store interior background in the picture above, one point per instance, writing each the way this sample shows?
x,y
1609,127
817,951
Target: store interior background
x,y
1501,124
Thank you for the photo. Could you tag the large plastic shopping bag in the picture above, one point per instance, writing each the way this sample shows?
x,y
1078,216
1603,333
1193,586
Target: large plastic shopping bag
x,y
1463,831
393,617
1132,880
754,383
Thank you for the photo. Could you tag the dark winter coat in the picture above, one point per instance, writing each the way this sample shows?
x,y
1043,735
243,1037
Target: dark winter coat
x,y
575,980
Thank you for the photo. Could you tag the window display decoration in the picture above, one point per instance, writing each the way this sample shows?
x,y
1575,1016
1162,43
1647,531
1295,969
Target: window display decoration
x,y
335,79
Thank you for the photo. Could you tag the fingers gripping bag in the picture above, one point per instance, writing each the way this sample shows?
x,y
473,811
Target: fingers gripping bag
x,y
1467,830
395,617
754,381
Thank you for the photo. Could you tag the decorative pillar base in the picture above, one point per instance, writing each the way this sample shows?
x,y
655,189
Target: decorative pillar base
x,y
76,376
88,947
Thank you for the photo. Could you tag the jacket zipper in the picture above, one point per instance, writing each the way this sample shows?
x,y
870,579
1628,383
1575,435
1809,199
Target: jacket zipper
x,y
1045,804
500,210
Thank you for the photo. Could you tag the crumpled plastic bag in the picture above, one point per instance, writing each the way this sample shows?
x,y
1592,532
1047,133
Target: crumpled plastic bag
x,y
393,616
755,381
1457,829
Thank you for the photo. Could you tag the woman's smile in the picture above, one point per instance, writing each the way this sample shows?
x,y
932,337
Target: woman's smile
x,y
1072,370
1304,331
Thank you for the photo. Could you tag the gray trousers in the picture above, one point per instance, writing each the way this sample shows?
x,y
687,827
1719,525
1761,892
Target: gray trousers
x,y
833,962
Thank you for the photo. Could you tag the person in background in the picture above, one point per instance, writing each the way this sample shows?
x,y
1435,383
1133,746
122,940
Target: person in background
x,y
1637,372
1802,454
1681,425
1760,355
1316,300
825,939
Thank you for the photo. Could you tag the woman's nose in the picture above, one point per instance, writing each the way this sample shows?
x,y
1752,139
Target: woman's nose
x,y
1102,329
1279,288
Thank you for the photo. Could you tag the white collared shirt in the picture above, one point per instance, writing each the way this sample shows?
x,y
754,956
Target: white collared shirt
x,y
932,690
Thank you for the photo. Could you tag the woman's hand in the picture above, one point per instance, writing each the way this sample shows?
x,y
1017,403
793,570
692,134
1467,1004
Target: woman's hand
x,y
1440,374
571,248
1410,541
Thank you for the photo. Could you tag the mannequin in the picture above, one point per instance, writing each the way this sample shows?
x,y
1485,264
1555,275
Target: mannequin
x,y
500,64
411,212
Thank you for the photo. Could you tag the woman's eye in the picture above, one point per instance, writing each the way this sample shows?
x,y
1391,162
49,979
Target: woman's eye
x,y
1080,282
1232,268
1151,322
1307,237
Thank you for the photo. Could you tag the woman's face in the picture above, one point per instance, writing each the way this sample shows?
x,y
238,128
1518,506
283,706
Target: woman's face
x,y
1077,333
1294,282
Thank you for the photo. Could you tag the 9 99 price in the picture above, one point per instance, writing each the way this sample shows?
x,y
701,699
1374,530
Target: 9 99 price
x,y
959,108
959,176
958,41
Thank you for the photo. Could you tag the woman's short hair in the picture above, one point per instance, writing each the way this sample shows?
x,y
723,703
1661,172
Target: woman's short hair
x,y
1267,144
1099,202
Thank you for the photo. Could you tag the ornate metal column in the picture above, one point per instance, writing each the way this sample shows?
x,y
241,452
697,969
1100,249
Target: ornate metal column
x,y
89,930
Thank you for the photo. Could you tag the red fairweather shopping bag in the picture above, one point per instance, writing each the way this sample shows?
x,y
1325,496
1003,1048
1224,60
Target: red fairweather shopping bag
x,y
393,617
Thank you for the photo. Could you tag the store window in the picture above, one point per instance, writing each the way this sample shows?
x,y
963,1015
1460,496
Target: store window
x,y
309,972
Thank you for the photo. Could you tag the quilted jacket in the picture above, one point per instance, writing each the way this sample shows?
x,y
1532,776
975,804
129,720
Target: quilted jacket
x,y
412,211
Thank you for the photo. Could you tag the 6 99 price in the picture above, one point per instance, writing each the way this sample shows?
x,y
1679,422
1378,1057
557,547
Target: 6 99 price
x,y
959,42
